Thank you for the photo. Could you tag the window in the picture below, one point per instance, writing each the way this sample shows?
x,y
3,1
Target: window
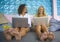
x,y
58,7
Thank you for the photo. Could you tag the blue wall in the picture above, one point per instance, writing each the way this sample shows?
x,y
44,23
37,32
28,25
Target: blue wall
x,y
11,6
58,7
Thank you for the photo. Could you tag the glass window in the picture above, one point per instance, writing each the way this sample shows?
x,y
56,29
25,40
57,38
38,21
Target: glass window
x,y
58,7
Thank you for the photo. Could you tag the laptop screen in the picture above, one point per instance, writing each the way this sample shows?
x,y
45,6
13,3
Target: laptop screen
x,y
20,22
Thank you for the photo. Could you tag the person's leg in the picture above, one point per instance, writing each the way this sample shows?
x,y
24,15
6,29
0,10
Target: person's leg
x,y
16,34
47,34
45,31
44,36
21,33
38,31
51,36
44,28
7,36
27,29
24,31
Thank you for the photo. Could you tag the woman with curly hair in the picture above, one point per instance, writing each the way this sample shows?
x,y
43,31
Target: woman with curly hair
x,y
19,32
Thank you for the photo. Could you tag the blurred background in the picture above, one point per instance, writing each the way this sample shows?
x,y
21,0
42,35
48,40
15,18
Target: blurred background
x,y
11,6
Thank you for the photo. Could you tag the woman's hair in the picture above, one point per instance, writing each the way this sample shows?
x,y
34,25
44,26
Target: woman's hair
x,y
21,8
43,11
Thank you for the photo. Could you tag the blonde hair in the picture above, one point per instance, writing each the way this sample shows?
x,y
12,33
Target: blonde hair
x,y
43,11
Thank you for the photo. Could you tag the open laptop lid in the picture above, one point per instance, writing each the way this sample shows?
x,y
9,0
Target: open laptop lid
x,y
20,22
40,20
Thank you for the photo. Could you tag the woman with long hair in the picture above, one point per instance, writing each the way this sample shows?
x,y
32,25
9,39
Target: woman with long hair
x,y
42,30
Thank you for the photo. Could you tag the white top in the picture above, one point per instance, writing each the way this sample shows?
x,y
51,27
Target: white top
x,y
25,16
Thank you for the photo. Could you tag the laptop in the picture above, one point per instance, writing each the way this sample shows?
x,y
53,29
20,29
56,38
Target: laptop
x,y
40,20
19,22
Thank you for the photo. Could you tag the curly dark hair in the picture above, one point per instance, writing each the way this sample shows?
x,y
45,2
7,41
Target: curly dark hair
x,y
20,9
